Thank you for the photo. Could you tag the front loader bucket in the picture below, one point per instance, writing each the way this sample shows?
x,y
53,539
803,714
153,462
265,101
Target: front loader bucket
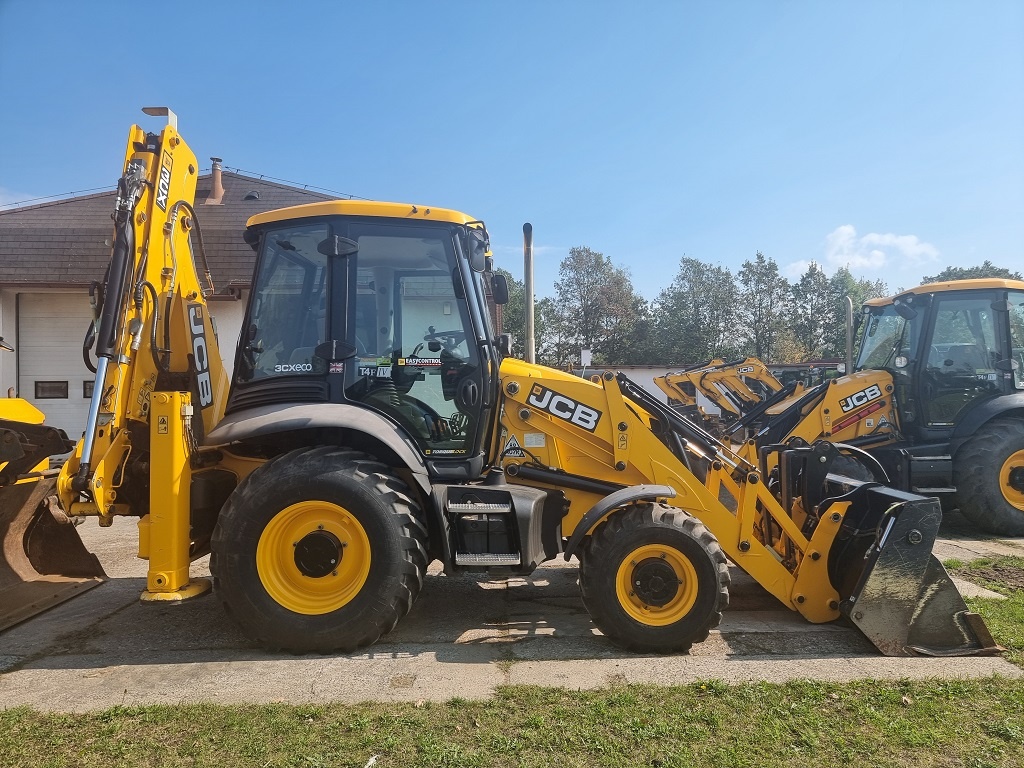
x,y
892,587
44,561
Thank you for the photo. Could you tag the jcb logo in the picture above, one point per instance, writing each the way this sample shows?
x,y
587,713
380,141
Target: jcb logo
x,y
858,399
564,407
746,369
200,354
163,186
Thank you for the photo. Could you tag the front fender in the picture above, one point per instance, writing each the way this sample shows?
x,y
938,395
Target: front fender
x,y
268,420
984,412
613,501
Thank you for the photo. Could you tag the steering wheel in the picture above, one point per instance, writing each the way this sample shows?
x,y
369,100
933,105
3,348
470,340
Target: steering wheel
x,y
449,339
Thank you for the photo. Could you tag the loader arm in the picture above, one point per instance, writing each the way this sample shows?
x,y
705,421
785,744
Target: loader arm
x,y
814,540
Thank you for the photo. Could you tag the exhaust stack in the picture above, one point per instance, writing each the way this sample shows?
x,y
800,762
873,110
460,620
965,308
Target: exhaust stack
x,y
531,344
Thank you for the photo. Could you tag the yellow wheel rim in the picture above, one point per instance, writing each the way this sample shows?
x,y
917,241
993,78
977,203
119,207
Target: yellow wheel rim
x,y
1011,494
313,557
643,585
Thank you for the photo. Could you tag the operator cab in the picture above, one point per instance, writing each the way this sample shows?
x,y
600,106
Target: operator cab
x,y
377,304
948,350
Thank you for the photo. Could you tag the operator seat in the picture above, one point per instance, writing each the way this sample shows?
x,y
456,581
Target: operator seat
x,y
964,359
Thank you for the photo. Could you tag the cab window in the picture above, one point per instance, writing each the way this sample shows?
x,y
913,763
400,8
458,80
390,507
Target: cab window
x,y
413,336
288,315
961,357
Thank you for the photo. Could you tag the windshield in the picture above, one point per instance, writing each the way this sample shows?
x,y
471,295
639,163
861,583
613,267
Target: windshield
x,y
883,337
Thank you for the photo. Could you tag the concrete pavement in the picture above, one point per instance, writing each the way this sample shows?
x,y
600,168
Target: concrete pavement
x,y
464,637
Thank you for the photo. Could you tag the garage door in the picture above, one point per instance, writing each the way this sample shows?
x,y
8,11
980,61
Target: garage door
x,y
52,375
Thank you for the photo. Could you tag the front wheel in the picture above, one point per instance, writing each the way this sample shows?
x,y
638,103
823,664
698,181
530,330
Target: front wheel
x,y
654,579
320,549
989,475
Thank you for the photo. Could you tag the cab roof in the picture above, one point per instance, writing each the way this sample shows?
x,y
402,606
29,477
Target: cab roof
x,y
406,211
951,285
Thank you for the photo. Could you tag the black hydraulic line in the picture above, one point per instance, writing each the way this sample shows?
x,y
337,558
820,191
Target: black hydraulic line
x,y
118,280
684,427
757,411
783,423
563,479
87,342
119,275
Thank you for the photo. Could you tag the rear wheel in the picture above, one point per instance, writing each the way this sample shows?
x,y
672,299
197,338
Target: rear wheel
x,y
320,549
654,579
989,475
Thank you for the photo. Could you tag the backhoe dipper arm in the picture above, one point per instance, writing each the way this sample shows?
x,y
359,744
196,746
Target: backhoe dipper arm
x,y
153,331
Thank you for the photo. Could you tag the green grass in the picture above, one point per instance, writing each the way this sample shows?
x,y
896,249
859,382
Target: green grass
x,y
973,724
950,723
1005,618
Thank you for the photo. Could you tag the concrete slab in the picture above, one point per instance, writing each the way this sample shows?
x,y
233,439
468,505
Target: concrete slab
x,y
464,637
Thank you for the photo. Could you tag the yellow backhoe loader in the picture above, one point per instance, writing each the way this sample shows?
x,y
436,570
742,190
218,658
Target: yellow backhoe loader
x,y
934,403
374,423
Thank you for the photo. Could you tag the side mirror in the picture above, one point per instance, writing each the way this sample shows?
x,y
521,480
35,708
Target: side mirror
x,y
336,245
477,245
499,289
504,343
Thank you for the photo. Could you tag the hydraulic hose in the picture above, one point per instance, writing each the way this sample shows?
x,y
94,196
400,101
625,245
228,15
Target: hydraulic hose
x,y
119,276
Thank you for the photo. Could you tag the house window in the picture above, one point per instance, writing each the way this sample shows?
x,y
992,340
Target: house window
x,y
51,390
87,389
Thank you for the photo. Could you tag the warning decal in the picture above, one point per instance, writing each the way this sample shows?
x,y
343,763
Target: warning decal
x,y
513,449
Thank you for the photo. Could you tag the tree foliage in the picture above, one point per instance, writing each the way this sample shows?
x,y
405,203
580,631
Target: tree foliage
x,y
705,312
763,303
986,269
694,318
597,309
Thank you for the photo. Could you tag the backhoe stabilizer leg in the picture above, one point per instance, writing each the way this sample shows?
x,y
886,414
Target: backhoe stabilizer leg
x,y
904,601
164,534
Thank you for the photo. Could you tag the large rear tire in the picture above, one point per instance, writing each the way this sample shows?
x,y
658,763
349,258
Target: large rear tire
x,y
320,549
654,579
989,476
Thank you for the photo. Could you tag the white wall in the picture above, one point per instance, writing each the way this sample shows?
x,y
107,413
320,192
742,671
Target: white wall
x,y
50,339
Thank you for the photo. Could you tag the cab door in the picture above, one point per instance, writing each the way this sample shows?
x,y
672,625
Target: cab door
x,y
962,352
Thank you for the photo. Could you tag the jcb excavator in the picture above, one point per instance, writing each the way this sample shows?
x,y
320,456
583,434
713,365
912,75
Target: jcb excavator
x,y
935,401
743,390
373,424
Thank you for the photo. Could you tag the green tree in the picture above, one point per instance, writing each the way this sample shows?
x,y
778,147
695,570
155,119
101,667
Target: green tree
x,y
812,311
694,319
841,285
598,308
514,316
986,269
763,302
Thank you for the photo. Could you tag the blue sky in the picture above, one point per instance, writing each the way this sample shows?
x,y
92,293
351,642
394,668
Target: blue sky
x,y
884,135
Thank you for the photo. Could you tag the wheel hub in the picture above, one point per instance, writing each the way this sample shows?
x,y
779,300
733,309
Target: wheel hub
x,y
318,553
654,582
1017,479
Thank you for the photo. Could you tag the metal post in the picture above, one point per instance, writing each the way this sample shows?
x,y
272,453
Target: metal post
x,y
849,335
531,349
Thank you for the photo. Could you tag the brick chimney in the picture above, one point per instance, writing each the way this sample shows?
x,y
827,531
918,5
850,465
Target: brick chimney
x,y
217,189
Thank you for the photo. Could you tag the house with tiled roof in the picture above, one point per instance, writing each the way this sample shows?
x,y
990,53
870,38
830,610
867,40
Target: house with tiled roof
x,y
52,252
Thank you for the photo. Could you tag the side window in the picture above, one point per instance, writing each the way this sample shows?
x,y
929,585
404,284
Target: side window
x,y
288,314
1017,336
